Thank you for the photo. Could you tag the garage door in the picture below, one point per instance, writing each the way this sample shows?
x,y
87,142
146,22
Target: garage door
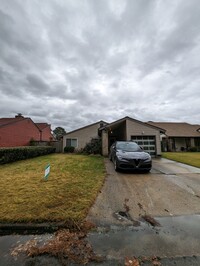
x,y
148,143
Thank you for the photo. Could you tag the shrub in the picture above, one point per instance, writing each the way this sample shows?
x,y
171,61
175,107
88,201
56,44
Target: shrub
x,y
93,147
8,155
192,149
32,142
69,149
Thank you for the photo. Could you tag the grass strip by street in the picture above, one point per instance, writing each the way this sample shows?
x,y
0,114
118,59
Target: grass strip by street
x,y
190,158
69,192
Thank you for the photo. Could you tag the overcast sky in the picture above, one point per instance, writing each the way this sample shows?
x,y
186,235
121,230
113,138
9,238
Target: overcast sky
x,y
74,62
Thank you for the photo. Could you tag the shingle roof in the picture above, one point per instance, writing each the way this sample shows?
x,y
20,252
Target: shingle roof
x,y
41,126
7,121
86,126
174,129
134,120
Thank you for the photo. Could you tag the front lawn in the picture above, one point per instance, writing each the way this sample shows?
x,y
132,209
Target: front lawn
x,y
69,192
191,158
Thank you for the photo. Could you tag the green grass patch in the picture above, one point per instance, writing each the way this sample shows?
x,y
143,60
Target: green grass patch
x,y
190,158
69,192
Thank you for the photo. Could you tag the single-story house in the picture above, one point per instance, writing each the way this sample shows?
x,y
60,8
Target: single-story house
x,y
19,131
127,128
179,136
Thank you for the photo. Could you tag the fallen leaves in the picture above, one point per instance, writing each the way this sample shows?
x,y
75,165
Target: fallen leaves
x,y
24,248
150,220
68,245
131,262
126,207
65,244
155,261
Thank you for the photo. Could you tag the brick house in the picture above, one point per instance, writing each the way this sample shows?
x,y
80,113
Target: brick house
x,y
45,131
19,131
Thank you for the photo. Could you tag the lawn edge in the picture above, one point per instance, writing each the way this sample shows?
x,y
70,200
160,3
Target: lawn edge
x,y
31,228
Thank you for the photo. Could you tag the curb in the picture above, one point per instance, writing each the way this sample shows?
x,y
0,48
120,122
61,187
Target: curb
x,y
8,229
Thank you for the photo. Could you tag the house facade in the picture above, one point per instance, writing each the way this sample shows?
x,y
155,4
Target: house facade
x,y
147,136
179,136
19,131
80,137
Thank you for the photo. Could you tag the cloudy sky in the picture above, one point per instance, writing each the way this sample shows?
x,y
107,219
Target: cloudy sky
x,y
74,62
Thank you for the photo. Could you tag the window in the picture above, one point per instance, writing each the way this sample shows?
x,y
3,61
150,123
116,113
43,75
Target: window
x,y
148,143
72,143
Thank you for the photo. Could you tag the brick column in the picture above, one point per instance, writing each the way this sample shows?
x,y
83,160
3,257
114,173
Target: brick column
x,y
104,143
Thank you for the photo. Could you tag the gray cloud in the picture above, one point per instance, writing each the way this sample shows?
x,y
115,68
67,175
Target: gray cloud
x,y
71,63
36,84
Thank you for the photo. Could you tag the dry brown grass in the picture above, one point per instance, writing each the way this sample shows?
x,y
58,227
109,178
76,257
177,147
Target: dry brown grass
x,y
68,193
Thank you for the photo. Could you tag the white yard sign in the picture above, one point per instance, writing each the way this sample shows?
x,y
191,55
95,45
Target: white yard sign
x,y
47,171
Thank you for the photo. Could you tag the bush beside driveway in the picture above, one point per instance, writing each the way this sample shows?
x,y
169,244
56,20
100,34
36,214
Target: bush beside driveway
x,y
69,192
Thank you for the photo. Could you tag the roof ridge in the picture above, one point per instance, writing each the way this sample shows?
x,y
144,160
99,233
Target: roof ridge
x,y
86,126
14,120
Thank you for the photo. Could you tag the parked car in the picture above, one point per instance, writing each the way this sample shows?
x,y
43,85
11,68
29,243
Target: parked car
x,y
129,155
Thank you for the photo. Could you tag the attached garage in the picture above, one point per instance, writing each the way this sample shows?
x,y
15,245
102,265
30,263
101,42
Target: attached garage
x,y
127,128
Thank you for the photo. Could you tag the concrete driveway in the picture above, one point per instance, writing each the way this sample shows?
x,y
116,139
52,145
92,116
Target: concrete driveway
x,y
170,189
170,194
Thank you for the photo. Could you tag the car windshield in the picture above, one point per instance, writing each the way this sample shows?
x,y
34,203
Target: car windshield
x,y
128,146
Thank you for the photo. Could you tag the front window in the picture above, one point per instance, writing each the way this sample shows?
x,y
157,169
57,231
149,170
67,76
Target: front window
x,y
71,143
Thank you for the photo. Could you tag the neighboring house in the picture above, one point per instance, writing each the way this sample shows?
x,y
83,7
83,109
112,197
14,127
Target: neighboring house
x,y
179,136
147,136
45,131
19,131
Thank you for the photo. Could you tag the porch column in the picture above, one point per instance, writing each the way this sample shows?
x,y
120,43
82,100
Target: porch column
x,y
192,142
104,143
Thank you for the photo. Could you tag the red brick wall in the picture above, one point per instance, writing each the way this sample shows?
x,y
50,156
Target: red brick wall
x,y
46,134
19,134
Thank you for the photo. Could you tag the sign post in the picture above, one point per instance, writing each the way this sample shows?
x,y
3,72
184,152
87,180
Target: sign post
x,y
47,171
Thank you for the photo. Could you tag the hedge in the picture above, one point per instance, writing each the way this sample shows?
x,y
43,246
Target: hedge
x,y
69,149
8,155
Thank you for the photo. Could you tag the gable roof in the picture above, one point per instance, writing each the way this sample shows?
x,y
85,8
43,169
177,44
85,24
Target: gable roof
x,y
101,121
133,120
4,122
42,126
174,129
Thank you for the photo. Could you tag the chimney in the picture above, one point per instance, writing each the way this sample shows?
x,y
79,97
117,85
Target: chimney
x,y
19,115
101,124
